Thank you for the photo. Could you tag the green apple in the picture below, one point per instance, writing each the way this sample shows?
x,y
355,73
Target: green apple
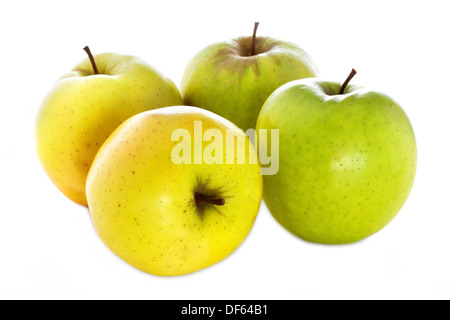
x,y
347,160
86,105
164,195
234,78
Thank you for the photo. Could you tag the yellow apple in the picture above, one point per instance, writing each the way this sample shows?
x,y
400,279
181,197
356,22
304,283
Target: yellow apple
x,y
174,190
84,108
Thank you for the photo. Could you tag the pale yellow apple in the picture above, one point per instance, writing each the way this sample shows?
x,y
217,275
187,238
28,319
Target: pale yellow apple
x,y
170,218
83,109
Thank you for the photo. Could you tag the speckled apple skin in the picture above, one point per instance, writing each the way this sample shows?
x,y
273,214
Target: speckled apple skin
x,y
142,204
221,79
347,162
81,110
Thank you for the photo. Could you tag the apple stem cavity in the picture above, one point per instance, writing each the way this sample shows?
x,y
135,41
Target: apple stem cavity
x,y
344,85
254,38
91,58
205,199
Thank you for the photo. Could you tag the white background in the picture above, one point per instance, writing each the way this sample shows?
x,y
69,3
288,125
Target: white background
x,y
48,246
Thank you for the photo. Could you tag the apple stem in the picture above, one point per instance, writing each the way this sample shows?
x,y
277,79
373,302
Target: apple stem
x,y
254,38
91,57
344,85
216,201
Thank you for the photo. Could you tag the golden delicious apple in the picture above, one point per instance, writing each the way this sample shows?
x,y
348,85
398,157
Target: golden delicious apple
x,y
174,190
84,108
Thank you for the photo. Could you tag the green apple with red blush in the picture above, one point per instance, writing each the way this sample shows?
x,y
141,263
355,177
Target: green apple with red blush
x,y
234,78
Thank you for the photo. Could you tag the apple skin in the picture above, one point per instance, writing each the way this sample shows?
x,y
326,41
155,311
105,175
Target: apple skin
x,y
83,109
143,205
347,162
226,79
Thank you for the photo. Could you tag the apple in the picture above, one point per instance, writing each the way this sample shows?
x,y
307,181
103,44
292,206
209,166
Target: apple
x,y
86,105
347,159
234,78
165,195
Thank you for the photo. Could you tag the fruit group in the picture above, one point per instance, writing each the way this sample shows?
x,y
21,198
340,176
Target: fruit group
x,y
234,78
84,108
166,216
347,160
